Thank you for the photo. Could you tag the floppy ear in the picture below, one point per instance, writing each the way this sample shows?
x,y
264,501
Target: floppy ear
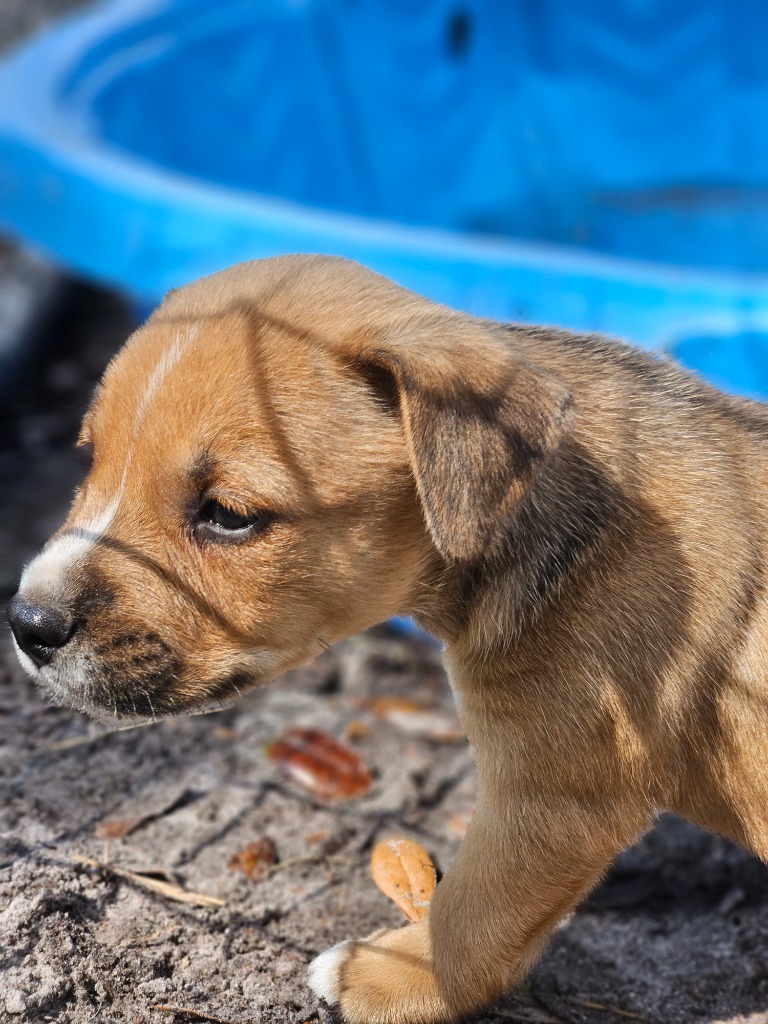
x,y
480,421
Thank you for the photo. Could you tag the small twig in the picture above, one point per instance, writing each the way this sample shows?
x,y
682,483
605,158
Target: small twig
x,y
314,858
198,1014
170,890
80,741
75,741
606,1008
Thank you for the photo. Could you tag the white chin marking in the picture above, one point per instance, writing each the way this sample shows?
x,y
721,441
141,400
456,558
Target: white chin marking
x,y
324,974
69,693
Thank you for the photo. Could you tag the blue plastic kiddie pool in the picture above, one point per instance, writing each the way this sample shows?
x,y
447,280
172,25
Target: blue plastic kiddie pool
x,y
600,166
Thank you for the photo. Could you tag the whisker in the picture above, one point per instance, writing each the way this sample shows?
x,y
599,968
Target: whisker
x,y
151,706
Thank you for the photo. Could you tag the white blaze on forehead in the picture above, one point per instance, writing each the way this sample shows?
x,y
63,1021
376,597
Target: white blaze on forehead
x,y
167,362
46,574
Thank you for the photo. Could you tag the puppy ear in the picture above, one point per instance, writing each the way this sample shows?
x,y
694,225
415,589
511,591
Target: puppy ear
x,y
480,421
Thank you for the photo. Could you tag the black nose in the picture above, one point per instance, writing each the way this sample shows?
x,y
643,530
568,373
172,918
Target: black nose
x,y
39,631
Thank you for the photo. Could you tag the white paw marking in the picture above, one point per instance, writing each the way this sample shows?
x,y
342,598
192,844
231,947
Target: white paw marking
x,y
323,976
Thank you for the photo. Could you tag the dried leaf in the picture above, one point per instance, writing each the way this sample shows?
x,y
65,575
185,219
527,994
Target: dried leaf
x,y
223,732
383,706
151,803
320,763
116,828
417,719
405,873
356,730
317,837
255,859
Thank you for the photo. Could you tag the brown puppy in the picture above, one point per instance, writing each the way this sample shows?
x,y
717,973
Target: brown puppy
x,y
295,449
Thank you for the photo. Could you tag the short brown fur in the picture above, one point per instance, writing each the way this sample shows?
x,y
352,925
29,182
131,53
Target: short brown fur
x,y
583,525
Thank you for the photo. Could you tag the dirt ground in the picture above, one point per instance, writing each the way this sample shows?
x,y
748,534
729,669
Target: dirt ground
x,y
678,932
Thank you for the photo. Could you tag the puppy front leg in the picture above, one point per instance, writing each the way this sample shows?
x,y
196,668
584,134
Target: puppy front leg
x,y
523,867
515,877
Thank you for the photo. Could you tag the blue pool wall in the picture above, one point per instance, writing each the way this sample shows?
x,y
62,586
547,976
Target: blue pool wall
x,y
601,167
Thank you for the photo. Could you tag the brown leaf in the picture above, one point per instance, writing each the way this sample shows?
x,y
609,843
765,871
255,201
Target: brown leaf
x,y
116,828
417,719
320,763
317,837
255,859
383,706
357,730
405,873
152,802
223,732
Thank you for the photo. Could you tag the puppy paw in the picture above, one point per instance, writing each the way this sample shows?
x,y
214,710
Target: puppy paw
x,y
384,979
324,974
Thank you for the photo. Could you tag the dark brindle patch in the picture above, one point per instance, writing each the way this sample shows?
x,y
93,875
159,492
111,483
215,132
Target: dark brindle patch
x,y
97,595
138,675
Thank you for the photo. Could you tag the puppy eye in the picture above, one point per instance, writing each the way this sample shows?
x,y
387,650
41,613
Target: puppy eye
x,y
216,514
216,521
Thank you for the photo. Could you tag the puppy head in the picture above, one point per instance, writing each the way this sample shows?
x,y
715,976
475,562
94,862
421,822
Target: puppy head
x,y
279,455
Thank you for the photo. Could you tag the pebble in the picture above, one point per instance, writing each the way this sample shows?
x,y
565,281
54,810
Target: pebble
x,y
15,1001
